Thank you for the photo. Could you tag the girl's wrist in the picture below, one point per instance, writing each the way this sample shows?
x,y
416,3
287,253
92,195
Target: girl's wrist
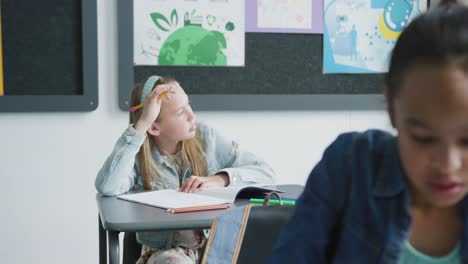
x,y
224,178
141,127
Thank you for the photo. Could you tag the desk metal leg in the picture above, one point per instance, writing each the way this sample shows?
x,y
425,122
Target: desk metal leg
x,y
102,243
114,253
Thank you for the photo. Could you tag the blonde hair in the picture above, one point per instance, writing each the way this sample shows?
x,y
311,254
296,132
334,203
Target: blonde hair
x,y
192,150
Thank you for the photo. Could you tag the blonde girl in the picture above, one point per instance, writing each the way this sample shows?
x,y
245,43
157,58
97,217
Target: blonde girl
x,y
165,147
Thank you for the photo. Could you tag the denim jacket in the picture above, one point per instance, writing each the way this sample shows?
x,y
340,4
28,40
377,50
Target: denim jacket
x,y
121,173
355,206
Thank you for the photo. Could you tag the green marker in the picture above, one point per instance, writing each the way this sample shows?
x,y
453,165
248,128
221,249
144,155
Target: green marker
x,y
288,202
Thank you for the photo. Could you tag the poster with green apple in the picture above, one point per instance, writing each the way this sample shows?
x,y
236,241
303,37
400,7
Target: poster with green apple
x,y
194,33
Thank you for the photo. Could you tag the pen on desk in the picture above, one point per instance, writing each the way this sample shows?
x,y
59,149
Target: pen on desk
x,y
134,108
286,202
198,208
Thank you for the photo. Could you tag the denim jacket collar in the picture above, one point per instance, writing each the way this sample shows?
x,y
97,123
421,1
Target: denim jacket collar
x,y
464,242
390,179
158,158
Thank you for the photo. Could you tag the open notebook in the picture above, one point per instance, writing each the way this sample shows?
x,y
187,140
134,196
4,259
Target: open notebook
x,y
208,199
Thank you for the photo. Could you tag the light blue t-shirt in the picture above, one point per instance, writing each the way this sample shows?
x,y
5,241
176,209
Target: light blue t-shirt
x,y
413,256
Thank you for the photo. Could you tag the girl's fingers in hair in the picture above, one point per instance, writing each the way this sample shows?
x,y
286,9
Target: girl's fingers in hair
x,y
164,88
150,98
160,89
167,93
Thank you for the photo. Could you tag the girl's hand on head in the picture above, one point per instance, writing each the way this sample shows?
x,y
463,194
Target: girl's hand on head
x,y
152,106
194,183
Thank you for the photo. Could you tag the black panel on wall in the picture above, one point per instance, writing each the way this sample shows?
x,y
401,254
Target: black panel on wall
x,y
49,50
42,47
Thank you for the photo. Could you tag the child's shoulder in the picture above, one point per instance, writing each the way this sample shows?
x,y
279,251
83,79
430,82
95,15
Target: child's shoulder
x,y
367,159
372,139
369,147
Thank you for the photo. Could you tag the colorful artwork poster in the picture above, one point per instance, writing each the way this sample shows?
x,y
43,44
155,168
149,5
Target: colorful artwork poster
x,y
284,16
359,35
183,32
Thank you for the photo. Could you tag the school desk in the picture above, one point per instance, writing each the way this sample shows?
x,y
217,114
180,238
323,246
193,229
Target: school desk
x,y
116,215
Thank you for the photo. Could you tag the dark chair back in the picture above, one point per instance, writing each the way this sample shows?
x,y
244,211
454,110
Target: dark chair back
x,y
131,248
263,228
246,234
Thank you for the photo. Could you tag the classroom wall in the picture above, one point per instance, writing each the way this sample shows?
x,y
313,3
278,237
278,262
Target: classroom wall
x,y
48,161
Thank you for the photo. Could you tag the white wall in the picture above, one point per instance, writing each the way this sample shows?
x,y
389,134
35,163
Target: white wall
x,y
48,161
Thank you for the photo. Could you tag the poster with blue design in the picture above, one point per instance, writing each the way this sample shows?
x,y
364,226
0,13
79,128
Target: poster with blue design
x,y
359,35
189,32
